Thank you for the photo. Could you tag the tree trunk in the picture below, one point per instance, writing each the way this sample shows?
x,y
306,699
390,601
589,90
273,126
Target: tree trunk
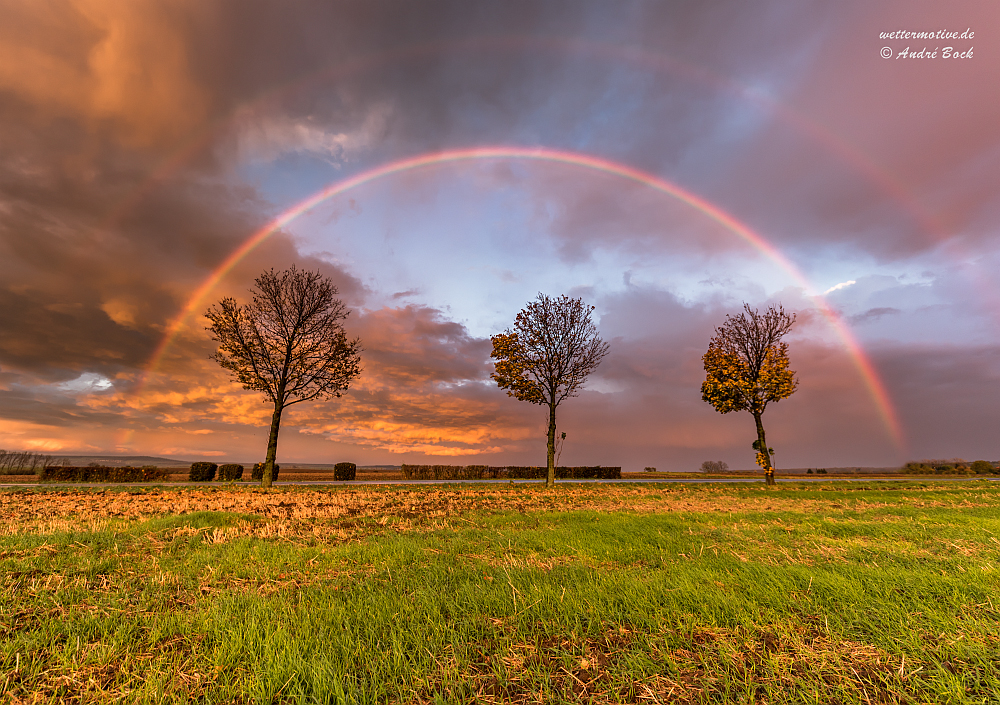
x,y
272,447
550,479
762,443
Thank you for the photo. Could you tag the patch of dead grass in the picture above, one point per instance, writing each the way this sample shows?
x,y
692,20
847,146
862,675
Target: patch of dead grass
x,y
46,511
712,664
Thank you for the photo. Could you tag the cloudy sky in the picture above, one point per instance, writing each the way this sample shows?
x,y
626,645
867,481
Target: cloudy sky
x,y
665,161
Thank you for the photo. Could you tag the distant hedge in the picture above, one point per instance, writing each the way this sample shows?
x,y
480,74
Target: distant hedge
x,y
343,472
950,467
230,472
202,472
100,473
983,467
258,472
446,472
584,472
489,472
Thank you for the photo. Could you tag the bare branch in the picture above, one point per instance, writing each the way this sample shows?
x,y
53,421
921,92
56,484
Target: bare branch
x,y
287,342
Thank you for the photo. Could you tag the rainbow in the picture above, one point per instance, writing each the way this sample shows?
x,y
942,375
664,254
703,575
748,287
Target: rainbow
x,y
861,361
639,58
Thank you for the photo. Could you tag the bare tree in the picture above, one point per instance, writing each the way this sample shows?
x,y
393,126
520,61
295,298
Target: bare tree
x,y
288,342
747,366
547,357
714,467
23,462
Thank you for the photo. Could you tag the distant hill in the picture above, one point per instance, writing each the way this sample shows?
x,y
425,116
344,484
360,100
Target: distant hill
x,y
120,460
852,470
139,460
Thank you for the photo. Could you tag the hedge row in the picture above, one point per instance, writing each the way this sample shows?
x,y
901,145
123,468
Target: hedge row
x,y
932,467
202,472
258,472
446,472
489,472
206,472
230,472
100,473
344,472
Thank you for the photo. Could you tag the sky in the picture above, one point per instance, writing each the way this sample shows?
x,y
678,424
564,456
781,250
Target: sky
x,y
445,162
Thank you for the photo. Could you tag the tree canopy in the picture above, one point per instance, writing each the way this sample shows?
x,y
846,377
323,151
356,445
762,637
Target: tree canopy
x,y
287,342
747,367
547,356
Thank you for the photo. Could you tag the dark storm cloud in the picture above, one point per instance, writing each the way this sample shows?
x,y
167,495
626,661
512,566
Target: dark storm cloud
x,y
101,237
84,289
434,75
687,97
873,314
901,119
49,408
949,393
49,333
419,345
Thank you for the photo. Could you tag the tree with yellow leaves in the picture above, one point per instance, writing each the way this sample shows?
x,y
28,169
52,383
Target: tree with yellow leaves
x,y
747,367
547,357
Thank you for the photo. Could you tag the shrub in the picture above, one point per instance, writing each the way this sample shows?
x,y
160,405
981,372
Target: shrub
x,y
480,472
588,472
100,473
434,472
202,472
595,472
714,466
475,472
445,472
941,467
983,467
345,471
258,472
955,466
809,471
522,472
821,471
649,469
230,472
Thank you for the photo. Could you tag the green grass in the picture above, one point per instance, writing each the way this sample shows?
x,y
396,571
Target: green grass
x,y
825,594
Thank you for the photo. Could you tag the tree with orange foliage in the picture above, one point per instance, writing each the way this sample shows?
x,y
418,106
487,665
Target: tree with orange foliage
x,y
547,356
747,367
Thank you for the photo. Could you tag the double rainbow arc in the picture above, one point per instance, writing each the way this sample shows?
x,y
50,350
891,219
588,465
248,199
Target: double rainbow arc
x,y
860,359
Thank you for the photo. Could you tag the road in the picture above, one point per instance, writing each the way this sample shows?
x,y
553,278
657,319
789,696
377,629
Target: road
x,y
334,483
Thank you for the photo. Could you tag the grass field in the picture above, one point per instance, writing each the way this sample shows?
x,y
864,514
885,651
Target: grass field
x,y
827,593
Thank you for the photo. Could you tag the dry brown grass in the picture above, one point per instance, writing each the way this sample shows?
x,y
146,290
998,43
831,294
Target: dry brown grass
x,y
758,663
43,511
59,509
